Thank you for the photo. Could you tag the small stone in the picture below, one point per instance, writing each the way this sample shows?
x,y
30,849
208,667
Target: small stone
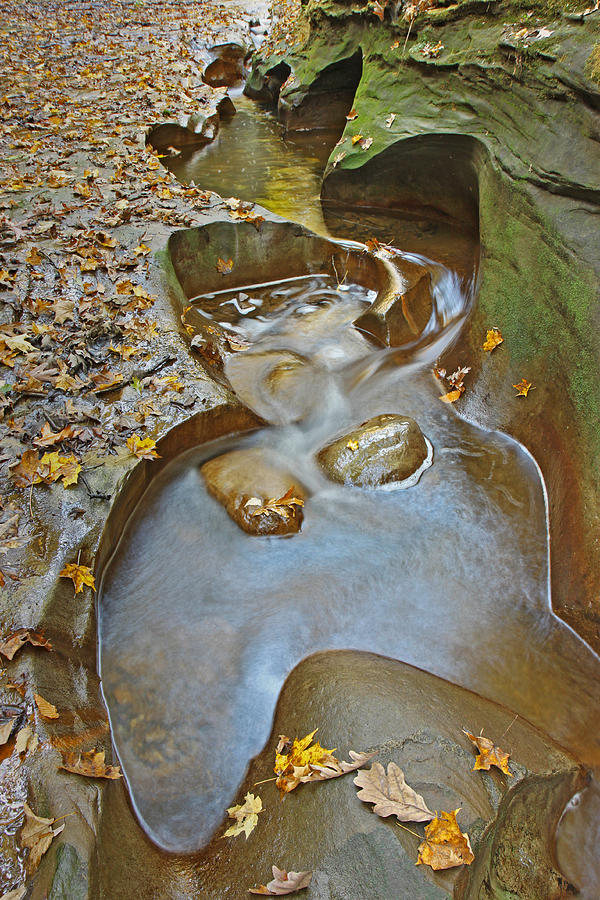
x,y
386,449
242,477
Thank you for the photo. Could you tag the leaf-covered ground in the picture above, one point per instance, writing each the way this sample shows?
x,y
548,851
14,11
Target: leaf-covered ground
x,y
82,360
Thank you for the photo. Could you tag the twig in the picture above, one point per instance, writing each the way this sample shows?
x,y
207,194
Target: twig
x,y
508,728
94,495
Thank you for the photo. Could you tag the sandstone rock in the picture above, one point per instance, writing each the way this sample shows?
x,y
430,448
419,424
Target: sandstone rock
x,y
278,385
204,123
228,67
397,317
237,477
387,448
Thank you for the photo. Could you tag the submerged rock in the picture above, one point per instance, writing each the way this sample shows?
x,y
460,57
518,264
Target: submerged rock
x,y
256,489
278,385
386,448
397,317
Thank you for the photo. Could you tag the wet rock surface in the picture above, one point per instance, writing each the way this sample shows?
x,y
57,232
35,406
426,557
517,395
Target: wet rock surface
x,y
415,720
241,478
399,316
386,449
278,385
227,68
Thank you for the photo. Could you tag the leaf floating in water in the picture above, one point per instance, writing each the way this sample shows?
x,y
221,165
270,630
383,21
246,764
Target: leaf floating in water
x,y
224,266
245,815
90,764
523,387
391,794
445,845
284,507
36,835
13,643
80,576
493,339
283,883
489,755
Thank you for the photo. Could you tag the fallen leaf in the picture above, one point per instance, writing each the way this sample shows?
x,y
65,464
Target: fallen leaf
x,y
493,339
451,396
16,894
142,448
18,639
489,755
47,710
284,507
224,266
47,437
245,815
352,115
391,794
80,575
379,10
283,883
352,445
445,845
6,729
333,768
390,120
27,739
523,387
36,835
356,138
365,143
295,762
90,764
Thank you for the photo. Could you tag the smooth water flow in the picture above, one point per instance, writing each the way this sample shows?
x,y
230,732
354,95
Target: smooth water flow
x,y
200,623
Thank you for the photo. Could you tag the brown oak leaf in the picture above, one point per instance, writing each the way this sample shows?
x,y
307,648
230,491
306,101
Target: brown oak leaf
x,y
283,883
13,643
47,710
391,794
36,835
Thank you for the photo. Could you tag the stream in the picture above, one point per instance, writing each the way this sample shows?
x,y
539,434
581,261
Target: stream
x,y
200,624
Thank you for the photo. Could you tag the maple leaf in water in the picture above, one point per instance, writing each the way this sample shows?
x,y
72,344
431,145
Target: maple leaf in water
x,y
245,816
523,387
283,883
143,449
445,845
90,764
80,575
391,794
493,339
489,755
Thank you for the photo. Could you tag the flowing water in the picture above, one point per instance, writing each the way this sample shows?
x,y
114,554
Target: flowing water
x,y
201,623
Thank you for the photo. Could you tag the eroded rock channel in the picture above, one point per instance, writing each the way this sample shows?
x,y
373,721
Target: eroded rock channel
x,y
422,542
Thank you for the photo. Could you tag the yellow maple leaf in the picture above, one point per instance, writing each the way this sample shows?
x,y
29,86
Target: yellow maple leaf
x,y
142,448
489,755
445,845
245,816
294,764
493,339
224,266
80,576
523,387
53,466
356,138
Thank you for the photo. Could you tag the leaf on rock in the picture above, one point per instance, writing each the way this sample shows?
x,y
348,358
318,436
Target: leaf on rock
x,y
523,387
36,835
356,138
80,576
379,10
352,115
452,396
390,120
293,760
16,894
47,710
245,816
6,728
13,643
27,739
493,339
445,845
284,507
90,764
142,448
391,794
283,883
224,266
489,755
47,437
333,768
